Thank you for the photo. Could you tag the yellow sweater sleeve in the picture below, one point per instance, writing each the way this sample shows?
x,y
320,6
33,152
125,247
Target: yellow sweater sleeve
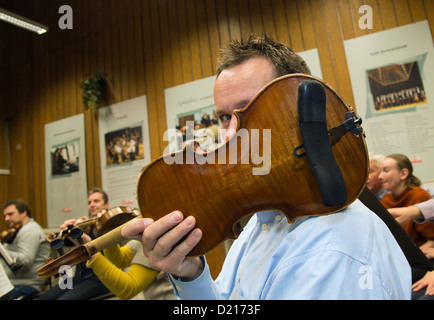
x,y
124,285
121,257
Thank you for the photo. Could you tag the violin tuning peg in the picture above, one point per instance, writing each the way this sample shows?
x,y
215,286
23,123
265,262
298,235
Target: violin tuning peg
x,y
76,233
57,245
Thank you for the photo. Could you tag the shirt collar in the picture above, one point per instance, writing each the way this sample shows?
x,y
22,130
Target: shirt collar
x,y
270,216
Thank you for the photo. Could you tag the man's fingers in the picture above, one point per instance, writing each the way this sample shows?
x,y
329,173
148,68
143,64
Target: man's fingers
x,y
164,245
184,248
167,241
134,228
158,229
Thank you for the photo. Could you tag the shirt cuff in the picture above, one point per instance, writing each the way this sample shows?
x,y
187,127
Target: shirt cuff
x,y
192,290
424,208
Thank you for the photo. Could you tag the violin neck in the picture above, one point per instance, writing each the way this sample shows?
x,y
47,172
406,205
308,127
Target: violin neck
x,y
87,223
64,233
105,241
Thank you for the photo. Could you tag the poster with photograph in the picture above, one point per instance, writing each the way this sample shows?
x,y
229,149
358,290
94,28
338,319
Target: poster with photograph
x,y
189,113
190,110
393,86
65,167
124,148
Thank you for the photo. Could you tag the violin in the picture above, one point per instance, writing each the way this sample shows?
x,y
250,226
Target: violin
x,y
104,224
107,221
308,175
7,236
110,219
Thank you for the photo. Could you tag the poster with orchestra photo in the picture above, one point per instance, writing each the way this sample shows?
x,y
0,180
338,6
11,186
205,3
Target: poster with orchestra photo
x,y
124,148
393,86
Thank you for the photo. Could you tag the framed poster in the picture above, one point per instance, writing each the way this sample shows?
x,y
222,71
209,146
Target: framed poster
x,y
393,85
65,167
124,148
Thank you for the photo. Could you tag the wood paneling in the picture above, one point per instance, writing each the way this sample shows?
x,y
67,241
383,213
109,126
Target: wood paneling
x,y
145,46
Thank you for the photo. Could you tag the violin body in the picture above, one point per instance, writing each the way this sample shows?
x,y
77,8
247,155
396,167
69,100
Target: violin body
x,y
9,235
221,193
113,218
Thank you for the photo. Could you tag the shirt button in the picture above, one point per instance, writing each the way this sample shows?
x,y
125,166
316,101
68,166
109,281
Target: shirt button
x,y
264,226
278,217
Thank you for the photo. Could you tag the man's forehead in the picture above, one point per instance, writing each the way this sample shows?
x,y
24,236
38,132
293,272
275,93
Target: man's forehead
x,y
10,209
237,86
95,196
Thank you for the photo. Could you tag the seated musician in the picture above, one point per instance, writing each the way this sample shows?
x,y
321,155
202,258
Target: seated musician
x,y
404,190
88,286
350,254
27,248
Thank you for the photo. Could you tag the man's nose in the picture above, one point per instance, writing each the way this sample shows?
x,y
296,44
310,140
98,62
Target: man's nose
x,y
232,128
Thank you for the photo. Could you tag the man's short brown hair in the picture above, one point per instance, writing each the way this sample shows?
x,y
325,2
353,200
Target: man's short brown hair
x,y
283,58
20,205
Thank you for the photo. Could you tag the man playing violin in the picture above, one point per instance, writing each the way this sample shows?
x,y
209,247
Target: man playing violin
x,y
350,254
90,286
97,201
27,248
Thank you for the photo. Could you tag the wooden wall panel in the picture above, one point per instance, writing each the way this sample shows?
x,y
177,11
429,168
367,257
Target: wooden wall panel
x,y
145,46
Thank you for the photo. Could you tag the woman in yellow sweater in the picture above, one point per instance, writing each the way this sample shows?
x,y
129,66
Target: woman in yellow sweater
x,y
140,277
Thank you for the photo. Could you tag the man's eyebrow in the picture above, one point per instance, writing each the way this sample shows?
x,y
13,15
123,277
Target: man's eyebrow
x,y
243,104
239,105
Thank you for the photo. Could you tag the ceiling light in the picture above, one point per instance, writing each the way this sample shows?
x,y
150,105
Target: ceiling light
x,y
22,22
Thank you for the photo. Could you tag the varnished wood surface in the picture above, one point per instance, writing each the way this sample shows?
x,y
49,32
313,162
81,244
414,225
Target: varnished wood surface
x,y
221,192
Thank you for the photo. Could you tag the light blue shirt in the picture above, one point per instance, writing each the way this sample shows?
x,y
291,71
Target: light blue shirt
x,y
347,255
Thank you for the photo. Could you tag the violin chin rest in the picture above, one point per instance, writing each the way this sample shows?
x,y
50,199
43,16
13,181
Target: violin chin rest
x,y
313,126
